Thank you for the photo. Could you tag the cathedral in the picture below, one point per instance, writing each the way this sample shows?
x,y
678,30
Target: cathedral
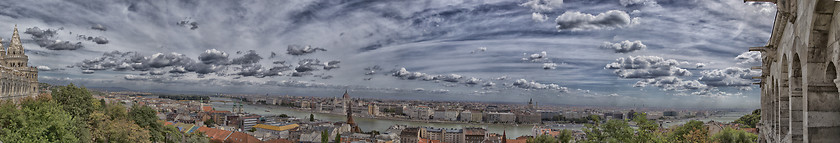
x,y
17,78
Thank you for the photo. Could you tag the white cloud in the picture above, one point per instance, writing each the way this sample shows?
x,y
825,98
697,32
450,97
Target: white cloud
x,y
549,66
671,83
646,67
732,76
537,57
751,58
624,46
538,17
525,84
637,2
542,5
577,21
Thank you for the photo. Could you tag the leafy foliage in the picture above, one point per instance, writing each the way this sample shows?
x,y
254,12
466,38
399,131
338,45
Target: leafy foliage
x,y
77,101
729,135
36,121
565,136
750,120
542,139
678,134
325,136
73,115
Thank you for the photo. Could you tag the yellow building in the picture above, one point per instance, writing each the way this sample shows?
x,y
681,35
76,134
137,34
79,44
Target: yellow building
x,y
17,78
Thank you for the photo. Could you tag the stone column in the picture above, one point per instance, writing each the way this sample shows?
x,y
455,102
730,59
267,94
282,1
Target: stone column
x,y
784,102
823,113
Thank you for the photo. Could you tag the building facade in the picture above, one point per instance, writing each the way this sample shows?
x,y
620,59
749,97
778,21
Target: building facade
x,y
17,78
799,85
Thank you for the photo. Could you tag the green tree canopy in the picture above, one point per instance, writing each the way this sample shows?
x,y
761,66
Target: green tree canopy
x,y
729,135
36,121
75,100
542,139
750,120
678,134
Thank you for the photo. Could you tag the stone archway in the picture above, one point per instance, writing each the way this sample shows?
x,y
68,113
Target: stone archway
x,y
784,99
795,86
822,115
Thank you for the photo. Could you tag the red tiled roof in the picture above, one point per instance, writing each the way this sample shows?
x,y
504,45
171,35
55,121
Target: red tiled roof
x,y
206,108
422,140
517,141
217,111
239,137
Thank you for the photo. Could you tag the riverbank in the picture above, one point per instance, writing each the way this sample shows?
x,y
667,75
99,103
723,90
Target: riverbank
x,y
395,119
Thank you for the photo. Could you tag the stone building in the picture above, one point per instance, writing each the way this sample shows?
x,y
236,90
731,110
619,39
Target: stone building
x,y
17,78
799,96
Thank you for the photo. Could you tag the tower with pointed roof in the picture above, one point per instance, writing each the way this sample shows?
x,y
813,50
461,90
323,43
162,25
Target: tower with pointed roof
x,y
353,127
17,78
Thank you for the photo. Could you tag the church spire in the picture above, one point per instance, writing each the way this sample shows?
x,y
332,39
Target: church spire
x,y
15,47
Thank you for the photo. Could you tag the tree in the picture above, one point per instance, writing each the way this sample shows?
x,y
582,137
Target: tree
x,y
542,139
337,138
697,136
325,136
210,123
311,117
750,120
611,131
729,135
102,104
678,134
115,111
252,130
283,116
146,117
75,100
36,121
197,137
647,130
125,131
565,136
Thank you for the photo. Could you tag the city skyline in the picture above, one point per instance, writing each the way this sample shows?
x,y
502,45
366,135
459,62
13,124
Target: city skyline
x,y
610,53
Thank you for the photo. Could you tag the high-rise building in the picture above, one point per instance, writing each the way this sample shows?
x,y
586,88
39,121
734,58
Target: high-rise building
x,y
17,78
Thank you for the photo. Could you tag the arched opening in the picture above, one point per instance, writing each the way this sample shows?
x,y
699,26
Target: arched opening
x,y
823,104
783,110
796,101
830,73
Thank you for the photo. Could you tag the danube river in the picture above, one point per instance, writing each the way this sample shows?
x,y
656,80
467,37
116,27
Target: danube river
x,y
368,124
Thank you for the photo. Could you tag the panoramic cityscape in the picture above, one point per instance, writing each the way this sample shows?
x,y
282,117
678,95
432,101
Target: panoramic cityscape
x,y
423,71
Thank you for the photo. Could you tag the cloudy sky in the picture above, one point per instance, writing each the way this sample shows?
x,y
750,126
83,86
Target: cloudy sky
x,y
657,53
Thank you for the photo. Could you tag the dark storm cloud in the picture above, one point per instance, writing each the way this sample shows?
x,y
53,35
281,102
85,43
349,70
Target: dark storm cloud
x,y
192,25
249,58
99,27
577,21
298,50
47,39
97,40
307,65
213,56
331,65
624,46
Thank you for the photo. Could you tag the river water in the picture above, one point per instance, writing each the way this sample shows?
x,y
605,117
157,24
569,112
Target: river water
x,y
368,124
